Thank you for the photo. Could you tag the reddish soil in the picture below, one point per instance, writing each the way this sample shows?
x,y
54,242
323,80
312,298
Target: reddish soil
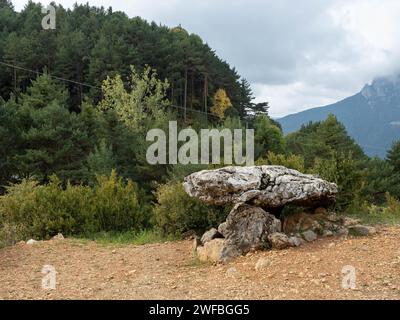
x,y
168,271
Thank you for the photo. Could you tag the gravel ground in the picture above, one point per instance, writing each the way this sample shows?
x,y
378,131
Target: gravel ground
x,y
168,271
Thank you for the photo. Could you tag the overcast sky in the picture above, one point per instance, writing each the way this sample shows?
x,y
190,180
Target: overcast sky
x,y
295,54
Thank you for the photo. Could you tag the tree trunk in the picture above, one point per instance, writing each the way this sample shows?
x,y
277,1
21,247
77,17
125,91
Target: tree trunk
x,y
185,95
205,93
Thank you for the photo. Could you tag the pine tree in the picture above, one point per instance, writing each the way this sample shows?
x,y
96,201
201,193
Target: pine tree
x,y
393,156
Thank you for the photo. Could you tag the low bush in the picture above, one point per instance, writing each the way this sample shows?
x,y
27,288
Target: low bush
x,y
176,212
41,211
388,213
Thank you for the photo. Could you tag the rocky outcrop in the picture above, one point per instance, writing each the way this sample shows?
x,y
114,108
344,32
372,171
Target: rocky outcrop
x,y
263,186
254,222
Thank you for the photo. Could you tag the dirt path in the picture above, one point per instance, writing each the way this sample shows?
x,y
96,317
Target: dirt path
x,y
167,271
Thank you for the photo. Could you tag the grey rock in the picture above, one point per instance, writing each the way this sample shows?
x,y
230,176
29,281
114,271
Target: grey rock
x,y
348,222
327,233
295,241
265,186
309,235
59,236
342,232
279,241
231,271
222,228
196,243
362,230
31,242
211,251
247,228
210,235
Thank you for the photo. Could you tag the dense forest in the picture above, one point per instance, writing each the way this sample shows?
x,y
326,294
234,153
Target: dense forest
x,y
76,104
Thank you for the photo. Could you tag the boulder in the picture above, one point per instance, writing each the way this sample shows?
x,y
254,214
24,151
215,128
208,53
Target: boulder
x,y
295,241
210,235
196,243
58,236
31,242
327,233
361,230
309,236
247,228
279,241
211,251
342,232
348,222
302,221
264,186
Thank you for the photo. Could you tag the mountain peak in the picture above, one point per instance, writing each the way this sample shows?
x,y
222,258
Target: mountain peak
x,y
383,88
371,117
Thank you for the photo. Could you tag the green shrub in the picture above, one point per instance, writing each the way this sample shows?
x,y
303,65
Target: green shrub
x,y
176,212
292,161
389,213
29,210
116,205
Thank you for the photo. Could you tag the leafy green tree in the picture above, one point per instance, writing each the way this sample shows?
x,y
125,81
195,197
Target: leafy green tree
x,y
393,156
268,137
10,140
343,170
379,177
221,104
322,140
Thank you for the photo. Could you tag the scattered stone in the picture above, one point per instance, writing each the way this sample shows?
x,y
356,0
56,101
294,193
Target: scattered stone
x,y
211,251
210,235
222,229
31,242
295,241
327,233
342,232
263,263
347,222
362,230
59,236
302,221
309,236
279,241
332,217
231,271
266,186
196,243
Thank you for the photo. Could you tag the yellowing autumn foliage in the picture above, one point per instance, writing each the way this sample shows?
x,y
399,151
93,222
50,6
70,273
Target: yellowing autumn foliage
x,y
221,104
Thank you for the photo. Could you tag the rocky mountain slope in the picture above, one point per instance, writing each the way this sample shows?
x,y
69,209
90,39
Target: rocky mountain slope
x,y
371,117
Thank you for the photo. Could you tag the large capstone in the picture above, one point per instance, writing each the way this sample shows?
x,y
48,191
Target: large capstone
x,y
263,186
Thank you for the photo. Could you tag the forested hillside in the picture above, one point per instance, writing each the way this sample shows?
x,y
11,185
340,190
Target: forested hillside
x,y
90,43
77,102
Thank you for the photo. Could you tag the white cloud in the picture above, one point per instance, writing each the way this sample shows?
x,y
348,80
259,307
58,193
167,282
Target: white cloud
x,y
296,55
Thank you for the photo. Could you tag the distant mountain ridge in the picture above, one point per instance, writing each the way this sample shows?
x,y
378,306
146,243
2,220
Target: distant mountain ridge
x,y
371,117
